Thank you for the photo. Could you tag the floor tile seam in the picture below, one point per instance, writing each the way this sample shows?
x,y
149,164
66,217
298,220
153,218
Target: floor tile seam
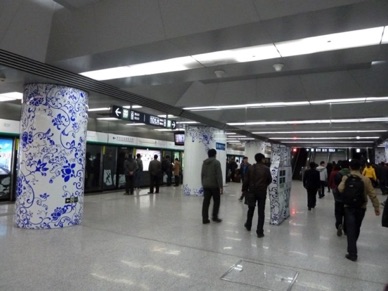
x,y
264,262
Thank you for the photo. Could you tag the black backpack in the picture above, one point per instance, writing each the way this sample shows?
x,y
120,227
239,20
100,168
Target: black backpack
x,y
353,194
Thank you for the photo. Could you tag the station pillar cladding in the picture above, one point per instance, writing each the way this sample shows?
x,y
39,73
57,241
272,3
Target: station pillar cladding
x,y
280,188
51,157
198,140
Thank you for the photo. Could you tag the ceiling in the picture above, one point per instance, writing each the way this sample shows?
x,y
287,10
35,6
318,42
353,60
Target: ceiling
x,y
59,39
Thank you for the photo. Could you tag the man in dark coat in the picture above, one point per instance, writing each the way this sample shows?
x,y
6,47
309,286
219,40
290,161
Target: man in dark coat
x,y
155,170
130,166
211,178
312,182
256,181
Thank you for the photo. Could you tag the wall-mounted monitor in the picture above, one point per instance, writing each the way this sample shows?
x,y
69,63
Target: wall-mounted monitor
x,y
179,138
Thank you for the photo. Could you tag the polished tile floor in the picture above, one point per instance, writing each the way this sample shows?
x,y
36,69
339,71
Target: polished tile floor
x,y
158,242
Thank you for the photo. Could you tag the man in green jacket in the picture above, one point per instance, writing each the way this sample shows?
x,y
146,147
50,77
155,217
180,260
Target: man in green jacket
x,y
355,215
211,178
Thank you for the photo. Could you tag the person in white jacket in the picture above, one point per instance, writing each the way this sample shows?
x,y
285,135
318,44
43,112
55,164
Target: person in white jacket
x,y
323,176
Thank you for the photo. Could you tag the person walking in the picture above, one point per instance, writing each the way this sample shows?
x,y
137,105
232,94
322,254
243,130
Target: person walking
x,y
130,167
311,182
155,170
177,171
211,179
243,171
355,214
323,177
256,182
370,173
339,206
139,171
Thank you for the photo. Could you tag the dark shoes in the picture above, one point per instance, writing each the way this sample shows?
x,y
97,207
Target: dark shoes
x,y
248,227
351,258
260,234
218,220
207,221
309,208
339,230
150,192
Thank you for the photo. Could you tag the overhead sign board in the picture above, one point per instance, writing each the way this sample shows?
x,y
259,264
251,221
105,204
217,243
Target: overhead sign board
x,y
139,117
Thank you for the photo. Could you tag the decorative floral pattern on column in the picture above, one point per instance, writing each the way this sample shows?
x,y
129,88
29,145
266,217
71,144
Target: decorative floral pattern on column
x,y
273,187
50,182
280,188
198,140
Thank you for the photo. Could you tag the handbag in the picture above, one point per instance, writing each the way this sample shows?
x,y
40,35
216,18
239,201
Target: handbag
x,y
384,218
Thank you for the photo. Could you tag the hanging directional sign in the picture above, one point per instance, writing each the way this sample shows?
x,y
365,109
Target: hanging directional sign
x,y
140,117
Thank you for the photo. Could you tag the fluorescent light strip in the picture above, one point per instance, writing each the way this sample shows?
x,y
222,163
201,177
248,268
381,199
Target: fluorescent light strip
x,y
150,68
99,109
133,106
230,133
107,118
319,131
328,142
288,104
318,121
329,42
187,122
10,96
168,116
325,138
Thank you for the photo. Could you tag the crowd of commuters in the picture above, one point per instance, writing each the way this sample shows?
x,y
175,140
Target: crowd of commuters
x,y
256,178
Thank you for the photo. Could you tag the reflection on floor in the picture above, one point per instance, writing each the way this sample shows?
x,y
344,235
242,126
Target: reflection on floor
x,y
158,242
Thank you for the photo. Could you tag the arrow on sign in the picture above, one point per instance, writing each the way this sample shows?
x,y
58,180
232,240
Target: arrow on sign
x,y
173,124
118,112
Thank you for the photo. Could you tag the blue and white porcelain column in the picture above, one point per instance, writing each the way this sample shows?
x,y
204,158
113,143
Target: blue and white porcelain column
x,y
50,183
198,140
280,188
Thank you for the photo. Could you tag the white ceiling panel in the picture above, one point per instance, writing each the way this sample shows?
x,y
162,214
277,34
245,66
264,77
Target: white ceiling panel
x,y
89,35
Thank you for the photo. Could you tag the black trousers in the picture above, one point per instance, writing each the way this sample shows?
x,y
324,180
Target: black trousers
x,y
154,182
260,200
353,219
176,180
169,178
129,184
339,212
311,197
322,189
208,193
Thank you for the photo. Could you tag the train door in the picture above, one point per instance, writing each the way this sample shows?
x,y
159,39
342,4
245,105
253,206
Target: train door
x,y
109,170
93,168
121,154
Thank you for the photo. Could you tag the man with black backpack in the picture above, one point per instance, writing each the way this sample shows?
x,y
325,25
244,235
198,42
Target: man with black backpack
x,y
354,189
339,207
